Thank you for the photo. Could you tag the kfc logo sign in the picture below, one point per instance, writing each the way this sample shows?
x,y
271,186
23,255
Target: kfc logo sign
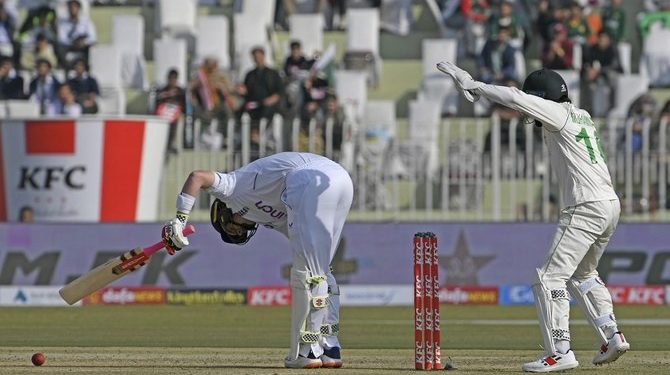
x,y
269,296
638,295
45,178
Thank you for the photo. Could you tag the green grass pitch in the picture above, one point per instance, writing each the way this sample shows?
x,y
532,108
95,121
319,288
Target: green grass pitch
x,y
253,340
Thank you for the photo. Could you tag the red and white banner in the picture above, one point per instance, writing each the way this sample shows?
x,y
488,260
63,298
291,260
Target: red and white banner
x,y
638,295
269,296
87,170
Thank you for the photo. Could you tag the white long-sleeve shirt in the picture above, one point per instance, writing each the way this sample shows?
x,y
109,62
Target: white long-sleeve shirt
x,y
572,140
255,190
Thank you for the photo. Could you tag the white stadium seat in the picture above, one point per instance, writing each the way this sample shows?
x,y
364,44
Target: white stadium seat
x,y
175,18
212,39
112,101
22,109
352,92
105,61
435,85
264,10
128,37
169,54
363,30
380,115
434,51
308,29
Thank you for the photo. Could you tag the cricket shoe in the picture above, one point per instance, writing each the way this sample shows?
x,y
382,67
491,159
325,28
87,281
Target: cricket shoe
x,y
610,352
552,362
331,358
303,362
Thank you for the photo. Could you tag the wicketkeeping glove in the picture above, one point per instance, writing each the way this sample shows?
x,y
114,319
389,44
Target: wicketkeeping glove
x,y
172,235
463,80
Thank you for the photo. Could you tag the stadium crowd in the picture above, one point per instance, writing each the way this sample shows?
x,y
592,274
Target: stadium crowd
x,y
44,58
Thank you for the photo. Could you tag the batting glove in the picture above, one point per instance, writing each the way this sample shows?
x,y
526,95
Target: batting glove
x,y
462,79
173,239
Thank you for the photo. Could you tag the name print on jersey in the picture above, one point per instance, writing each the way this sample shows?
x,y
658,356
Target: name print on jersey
x,y
275,213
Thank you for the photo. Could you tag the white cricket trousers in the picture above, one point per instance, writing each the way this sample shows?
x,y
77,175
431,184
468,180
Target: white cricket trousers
x,y
318,197
580,240
582,235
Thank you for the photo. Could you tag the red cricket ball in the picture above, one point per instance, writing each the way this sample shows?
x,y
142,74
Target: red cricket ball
x,y
38,359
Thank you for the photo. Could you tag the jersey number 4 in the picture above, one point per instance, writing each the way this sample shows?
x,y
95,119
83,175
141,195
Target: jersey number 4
x,y
584,136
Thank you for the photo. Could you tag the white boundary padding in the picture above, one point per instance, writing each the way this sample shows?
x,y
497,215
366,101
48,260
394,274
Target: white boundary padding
x,y
262,137
645,166
495,165
546,180
628,149
513,168
246,129
529,171
480,123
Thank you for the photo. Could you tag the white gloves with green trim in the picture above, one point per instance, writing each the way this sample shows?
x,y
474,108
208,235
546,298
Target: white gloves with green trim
x,y
462,79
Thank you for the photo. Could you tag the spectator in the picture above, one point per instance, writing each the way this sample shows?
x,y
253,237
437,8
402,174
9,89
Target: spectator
x,y
497,59
506,17
594,21
26,214
44,88
336,14
557,54
600,69
170,104
67,104
40,21
11,84
7,29
296,65
333,112
578,30
76,34
211,95
85,87
641,110
42,50
262,88
614,20
314,90
476,13
545,20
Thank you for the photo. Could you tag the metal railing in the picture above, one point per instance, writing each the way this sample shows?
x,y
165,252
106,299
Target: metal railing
x,y
483,169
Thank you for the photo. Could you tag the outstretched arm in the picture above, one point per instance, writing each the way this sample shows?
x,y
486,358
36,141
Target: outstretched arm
x,y
553,115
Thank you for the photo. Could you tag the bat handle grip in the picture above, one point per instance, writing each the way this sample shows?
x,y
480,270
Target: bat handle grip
x,y
190,229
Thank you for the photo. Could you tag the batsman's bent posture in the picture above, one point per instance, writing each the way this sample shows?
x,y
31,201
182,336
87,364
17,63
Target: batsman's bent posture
x,y
307,198
587,220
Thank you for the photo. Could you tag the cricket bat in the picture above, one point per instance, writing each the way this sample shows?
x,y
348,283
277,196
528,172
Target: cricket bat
x,y
111,270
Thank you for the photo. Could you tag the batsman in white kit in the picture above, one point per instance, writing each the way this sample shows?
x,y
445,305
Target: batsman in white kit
x,y
586,223
307,198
